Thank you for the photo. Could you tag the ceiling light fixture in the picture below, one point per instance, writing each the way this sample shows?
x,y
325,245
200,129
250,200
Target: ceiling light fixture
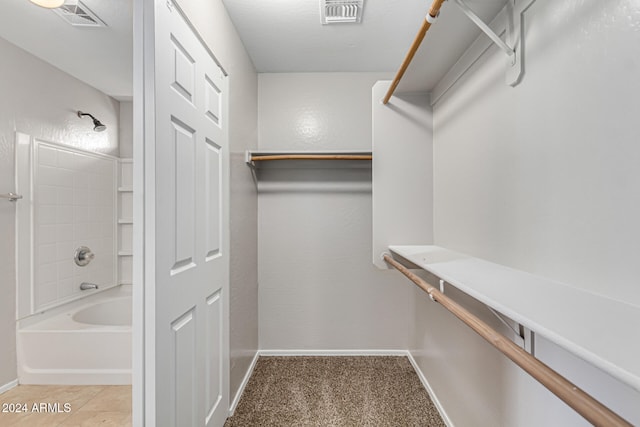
x,y
49,4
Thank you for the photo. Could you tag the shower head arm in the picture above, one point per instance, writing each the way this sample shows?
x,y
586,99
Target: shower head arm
x,y
97,125
80,114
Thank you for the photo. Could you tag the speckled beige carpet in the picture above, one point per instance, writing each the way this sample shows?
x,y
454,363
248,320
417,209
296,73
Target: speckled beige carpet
x,y
334,391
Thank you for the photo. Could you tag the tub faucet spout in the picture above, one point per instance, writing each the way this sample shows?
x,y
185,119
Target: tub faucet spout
x,y
86,285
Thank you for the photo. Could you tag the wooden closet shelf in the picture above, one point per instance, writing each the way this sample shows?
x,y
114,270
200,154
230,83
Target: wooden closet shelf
x,y
324,159
312,157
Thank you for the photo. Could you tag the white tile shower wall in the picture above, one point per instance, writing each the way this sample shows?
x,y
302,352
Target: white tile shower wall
x,y
126,173
125,222
125,237
125,269
125,208
74,205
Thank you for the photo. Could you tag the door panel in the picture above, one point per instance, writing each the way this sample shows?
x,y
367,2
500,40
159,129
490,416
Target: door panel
x,y
213,101
183,372
214,192
183,70
214,355
191,263
184,220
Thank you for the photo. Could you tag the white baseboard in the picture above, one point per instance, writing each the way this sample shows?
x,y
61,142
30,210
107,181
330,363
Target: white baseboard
x,y
8,386
371,352
432,395
243,384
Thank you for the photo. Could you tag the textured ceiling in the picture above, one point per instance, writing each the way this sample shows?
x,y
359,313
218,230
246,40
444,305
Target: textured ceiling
x,y
100,57
280,36
286,36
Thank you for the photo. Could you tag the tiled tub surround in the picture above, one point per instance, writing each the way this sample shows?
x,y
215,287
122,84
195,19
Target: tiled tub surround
x,y
66,335
87,341
72,204
75,206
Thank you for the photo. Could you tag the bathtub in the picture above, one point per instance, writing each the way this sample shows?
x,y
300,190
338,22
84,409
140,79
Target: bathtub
x,y
85,342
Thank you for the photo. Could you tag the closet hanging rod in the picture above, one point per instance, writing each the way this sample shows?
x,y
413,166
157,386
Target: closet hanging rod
x,y
585,405
429,19
312,157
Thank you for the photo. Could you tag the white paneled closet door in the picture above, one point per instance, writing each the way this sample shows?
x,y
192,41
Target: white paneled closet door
x,y
191,265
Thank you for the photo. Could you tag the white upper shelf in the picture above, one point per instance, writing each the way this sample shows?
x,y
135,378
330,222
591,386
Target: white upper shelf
x,y
597,329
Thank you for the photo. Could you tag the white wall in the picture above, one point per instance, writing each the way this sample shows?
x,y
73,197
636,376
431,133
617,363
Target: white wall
x,y
39,100
213,23
318,287
125,135
402,171
316,111
544,178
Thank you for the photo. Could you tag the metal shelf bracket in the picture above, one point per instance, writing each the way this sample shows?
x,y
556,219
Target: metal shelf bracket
x,y
512,47
523,336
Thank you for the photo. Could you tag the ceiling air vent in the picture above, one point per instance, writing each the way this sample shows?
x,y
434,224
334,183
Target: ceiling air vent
x,y
341,11
77,14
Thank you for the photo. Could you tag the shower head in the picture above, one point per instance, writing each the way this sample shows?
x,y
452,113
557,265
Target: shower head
x,y
97,125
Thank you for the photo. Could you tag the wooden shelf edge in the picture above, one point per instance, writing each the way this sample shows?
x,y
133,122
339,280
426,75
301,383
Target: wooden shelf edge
x,y
311,157
347,159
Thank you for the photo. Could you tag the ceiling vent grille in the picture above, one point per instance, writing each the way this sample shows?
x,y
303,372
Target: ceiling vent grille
x,y
341,11
78,14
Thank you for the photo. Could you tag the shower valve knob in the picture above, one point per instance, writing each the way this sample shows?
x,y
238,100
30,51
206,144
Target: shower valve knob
x,y
83,256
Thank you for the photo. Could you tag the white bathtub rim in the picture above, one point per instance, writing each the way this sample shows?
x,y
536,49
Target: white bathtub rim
x,y
61,317
64,323
111,312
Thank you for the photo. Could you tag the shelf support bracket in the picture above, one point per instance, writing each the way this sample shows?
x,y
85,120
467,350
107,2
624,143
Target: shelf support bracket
x,y
523,336
513,38
247,158
529,340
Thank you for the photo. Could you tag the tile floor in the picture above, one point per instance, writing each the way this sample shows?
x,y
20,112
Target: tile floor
x,y
86,406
